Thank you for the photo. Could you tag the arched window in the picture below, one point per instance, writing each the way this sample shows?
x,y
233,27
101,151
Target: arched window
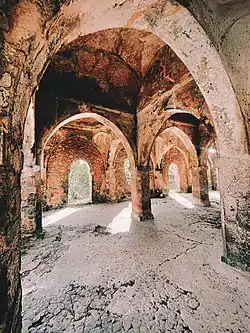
x,y
80,183
173,178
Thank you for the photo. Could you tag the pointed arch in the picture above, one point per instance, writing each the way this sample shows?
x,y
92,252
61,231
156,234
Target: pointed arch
x,y
103,121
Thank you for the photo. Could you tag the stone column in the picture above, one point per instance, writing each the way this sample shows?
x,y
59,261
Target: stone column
x,y
234,182
111,182
152,184
214,179
28,186
200,186
39,200
183,179
140,186
28,206
10,230
159,181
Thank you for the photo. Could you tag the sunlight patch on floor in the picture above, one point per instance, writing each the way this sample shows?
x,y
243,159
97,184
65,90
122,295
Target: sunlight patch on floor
x,y
180,199
57,216
122,221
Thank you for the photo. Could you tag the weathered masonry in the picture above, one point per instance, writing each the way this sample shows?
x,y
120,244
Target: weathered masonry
x,y
136,89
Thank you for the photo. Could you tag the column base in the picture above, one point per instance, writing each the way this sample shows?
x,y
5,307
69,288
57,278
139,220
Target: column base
x,y
198,202
142,216
237,260
236,252
234,174
11,307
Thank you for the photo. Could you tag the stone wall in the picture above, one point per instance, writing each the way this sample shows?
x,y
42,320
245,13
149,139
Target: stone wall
x,y
33,31
228,25
58,167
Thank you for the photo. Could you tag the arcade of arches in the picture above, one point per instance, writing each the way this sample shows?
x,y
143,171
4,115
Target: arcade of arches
x,y
140,99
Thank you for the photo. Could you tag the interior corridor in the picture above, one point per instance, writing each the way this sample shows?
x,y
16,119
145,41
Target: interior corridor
x,y
124,166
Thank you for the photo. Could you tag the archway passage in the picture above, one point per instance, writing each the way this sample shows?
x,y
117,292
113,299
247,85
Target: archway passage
x,y
67,145
93,138
79,183
148,87
173,178
112,67
179,143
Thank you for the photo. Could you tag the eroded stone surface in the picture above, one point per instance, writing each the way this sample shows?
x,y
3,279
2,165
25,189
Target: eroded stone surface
x,y
32,31
160,277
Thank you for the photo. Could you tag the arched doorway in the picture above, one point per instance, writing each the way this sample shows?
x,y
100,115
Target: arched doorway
x,y
173,178
79,183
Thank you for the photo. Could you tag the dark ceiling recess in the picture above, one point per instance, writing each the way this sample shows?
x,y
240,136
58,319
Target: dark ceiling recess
x,y
86,88
185,3
185,118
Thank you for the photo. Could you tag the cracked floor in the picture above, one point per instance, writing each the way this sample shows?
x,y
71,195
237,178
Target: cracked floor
x,y
161,276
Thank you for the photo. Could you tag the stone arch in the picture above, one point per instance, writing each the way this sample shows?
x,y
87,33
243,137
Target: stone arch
x,y
117,132
165,151
115,147
172,27
103,141
102,120
171,22
186,142
146,147
56,179
185,175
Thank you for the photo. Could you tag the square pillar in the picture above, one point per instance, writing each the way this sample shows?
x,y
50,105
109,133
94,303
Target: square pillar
x,y
140,186
234,180
28,206
111,182
28,186
10,244
200,186
39,200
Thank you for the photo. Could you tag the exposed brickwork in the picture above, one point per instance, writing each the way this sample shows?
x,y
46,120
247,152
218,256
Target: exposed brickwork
x,y
112,69
58,167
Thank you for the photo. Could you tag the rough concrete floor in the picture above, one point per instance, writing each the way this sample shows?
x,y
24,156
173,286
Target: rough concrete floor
x,y
161,276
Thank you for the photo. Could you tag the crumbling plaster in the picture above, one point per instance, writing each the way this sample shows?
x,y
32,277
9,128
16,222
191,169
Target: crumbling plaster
x,y
58,168
227,25
205,66
32,34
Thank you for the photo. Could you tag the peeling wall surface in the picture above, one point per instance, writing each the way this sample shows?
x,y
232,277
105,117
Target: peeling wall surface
x,y
58,168
153,82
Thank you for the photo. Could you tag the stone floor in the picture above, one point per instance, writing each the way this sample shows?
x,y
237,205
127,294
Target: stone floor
x,y
161,276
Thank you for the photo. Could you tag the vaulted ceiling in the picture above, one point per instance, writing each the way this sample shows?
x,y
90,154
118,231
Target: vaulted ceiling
x,y
118,69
